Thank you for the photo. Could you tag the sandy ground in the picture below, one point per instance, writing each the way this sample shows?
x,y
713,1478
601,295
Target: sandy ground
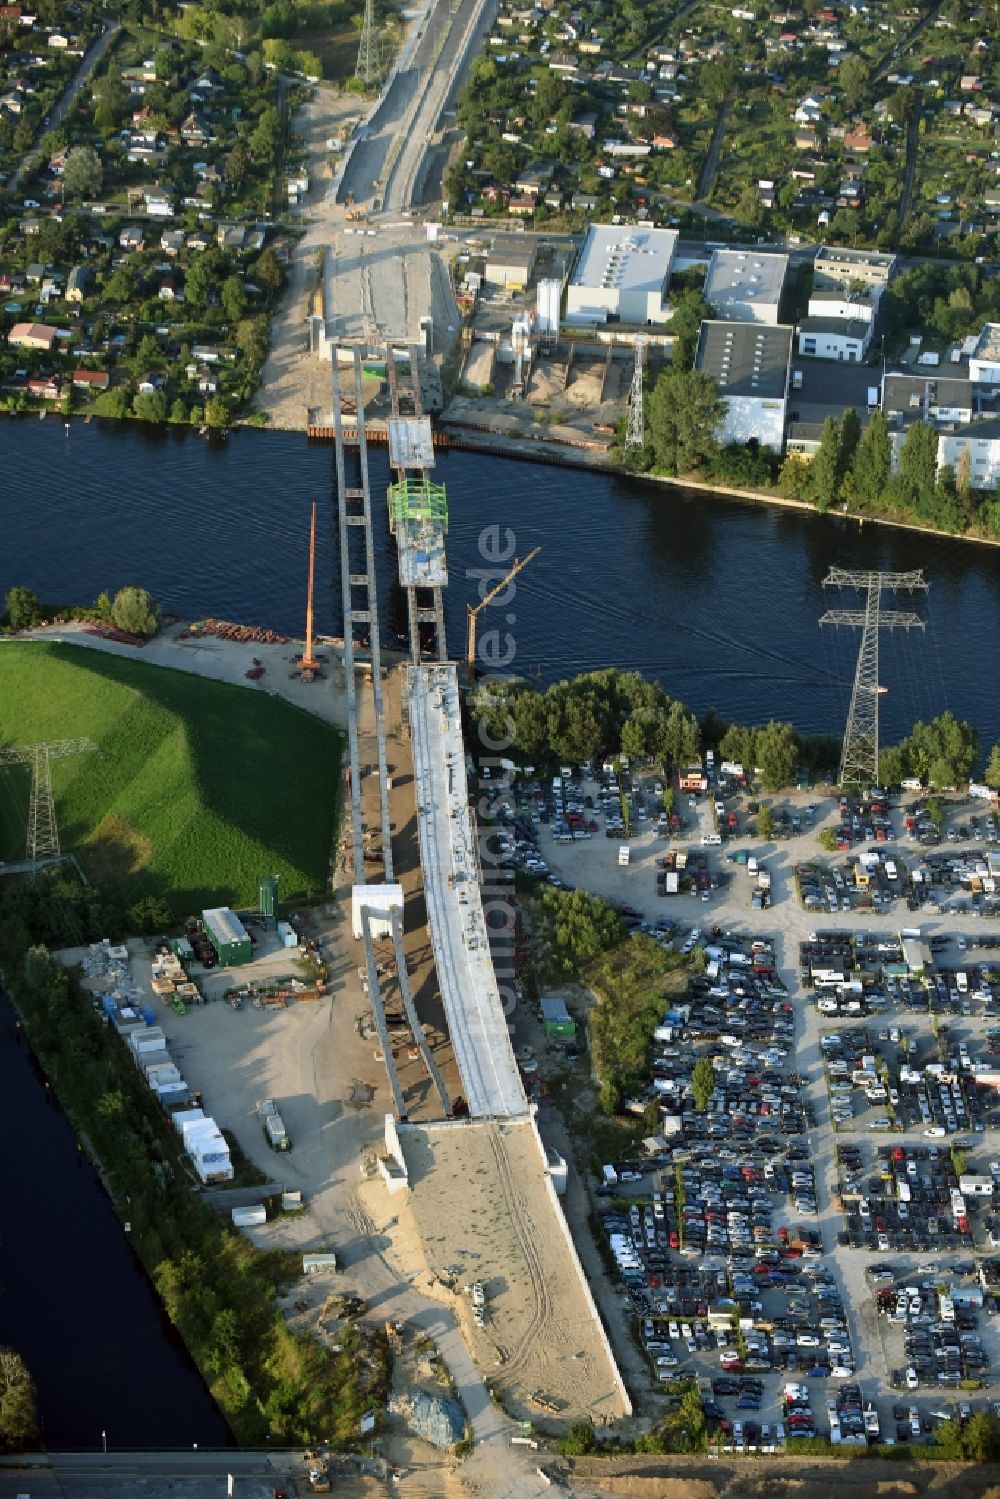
x,y
478,1202
763,1478
223,661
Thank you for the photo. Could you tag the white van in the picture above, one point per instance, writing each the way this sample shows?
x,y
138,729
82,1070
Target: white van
x,y
623,855
891,873
712,840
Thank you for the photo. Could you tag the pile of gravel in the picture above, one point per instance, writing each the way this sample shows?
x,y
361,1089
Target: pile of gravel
x,y
439,1419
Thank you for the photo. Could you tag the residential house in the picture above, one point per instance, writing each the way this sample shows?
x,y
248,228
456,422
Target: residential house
x,y
230,237
32,336
809,111
172,242
132,237
46,387
169,290
91,379
859,138
78,283
159,204
584,124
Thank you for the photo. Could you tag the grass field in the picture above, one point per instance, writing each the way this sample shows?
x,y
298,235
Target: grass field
x,y
198,788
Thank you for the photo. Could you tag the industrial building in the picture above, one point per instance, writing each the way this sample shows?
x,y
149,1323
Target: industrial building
x,y
749,363
623,274
745,286
229,937
835,337
559,1023
984,361
835,266
511,260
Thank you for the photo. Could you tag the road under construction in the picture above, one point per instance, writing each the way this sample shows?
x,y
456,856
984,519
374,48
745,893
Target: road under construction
x,y
481,1127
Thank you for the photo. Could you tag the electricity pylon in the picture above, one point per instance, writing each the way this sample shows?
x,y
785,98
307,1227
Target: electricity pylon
x,y
43,830
369,68
859,758
635,435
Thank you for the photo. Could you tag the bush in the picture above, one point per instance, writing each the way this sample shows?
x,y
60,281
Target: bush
x,y
134,611
23,609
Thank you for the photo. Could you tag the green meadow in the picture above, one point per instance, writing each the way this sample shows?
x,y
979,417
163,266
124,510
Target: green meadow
x,y
196,790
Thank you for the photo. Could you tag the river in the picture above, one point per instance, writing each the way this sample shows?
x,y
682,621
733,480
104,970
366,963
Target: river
x,y
74,1300
718,599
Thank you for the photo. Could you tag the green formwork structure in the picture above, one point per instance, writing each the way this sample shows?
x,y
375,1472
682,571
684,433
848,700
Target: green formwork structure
x,y
418,501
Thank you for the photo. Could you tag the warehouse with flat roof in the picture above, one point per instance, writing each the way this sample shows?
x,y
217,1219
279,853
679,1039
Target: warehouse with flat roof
x,y
623,274
228,936
749,363
745,286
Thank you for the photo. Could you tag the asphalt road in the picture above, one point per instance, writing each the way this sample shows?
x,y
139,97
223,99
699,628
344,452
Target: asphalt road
x,y
84,71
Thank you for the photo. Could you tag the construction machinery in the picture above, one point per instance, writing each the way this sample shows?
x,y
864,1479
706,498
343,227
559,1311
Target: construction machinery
x,y
308,667
476,610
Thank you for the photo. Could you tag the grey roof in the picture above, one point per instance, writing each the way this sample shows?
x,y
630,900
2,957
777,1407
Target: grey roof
x,y
988,343
512,249
857,328
746,359
744,276
847,258
554,1010
224,925
625,258
939,390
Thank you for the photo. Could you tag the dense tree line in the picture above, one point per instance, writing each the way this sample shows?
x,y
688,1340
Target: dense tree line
x,y
219,1291
853,467
941,753
602,712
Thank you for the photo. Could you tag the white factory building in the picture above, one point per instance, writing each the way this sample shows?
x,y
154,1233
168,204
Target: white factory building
x,y
982,442
843,304
745,286
623,274
984,361
749,363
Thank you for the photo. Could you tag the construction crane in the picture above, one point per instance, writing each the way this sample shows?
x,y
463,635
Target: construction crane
x,y
470,655
308,666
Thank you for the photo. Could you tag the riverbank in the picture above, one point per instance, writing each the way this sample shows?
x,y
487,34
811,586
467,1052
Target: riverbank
x,y
220,660
512,442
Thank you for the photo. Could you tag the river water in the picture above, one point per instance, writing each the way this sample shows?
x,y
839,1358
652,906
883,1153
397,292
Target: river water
x,y
74,1300
718,599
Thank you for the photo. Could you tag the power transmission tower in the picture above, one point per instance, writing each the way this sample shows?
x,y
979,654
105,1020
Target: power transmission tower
x,y
43,830
859,758
369,68
635,436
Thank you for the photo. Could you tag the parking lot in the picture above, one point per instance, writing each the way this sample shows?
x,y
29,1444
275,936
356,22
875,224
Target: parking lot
x,y
739,1240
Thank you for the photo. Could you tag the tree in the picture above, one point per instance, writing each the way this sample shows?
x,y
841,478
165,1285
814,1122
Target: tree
x,y
702,1083
854,77
268,272
150,406
824,471
216,412
178,411
234,298
738,744
892,765
83,173
942,752
133,610
850,435
918,466
793,481
689,311
151,914
251,338
872,462
765,822
199,281
236,166
684,411
991,775
22,607
19,1431
777,754
828,840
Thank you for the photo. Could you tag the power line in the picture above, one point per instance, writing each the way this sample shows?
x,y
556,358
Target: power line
x,y
369,68
43,830
635,435
859,757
